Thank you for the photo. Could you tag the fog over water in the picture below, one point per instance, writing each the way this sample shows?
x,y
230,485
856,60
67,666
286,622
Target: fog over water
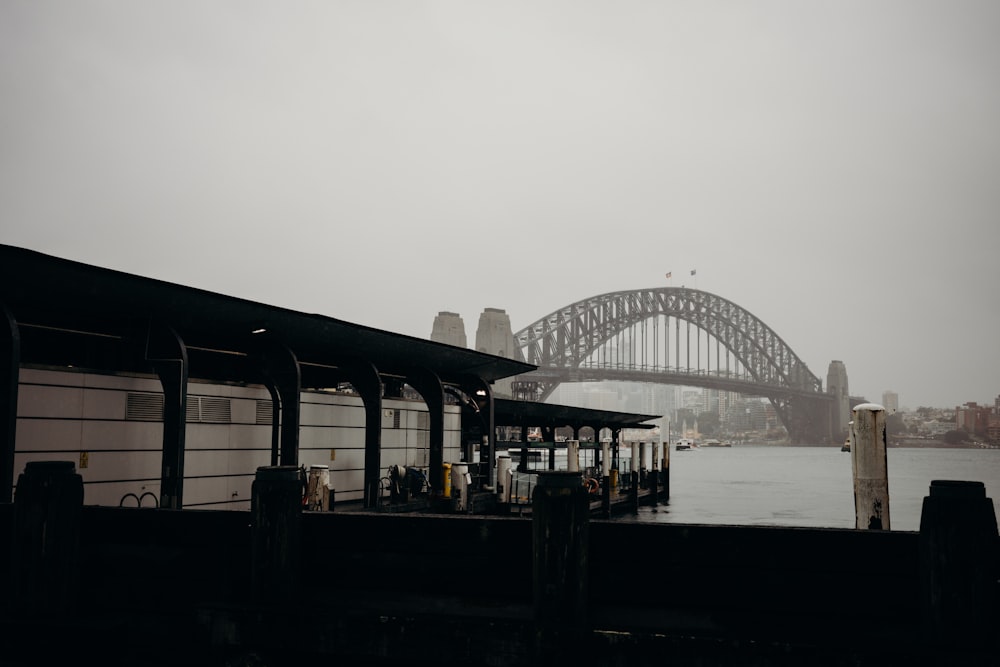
x,y
830,167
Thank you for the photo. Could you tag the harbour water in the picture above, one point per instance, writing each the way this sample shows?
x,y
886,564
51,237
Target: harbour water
x,y
807,486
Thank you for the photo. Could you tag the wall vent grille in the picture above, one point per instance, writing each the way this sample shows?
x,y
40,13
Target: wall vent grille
x,y
144,407
265,411
214,410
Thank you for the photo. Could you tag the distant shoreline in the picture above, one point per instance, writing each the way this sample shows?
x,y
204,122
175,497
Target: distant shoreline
x,y
905,443
936,444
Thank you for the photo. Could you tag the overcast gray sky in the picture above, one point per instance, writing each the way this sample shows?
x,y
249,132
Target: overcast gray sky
x,y
832,167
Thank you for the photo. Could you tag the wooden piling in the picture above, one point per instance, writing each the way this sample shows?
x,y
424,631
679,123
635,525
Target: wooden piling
x,y
959,566
573,455
46,546
654,478
276,511
665,472
606,497
560,531
868,459
633,491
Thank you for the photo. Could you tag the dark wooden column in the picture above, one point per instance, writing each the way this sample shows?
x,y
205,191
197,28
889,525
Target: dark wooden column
x,y
45,552
959,549
168,354
276,516
560,559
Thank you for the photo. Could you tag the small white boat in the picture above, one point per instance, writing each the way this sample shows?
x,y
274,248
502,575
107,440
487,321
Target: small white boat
x,y
684,444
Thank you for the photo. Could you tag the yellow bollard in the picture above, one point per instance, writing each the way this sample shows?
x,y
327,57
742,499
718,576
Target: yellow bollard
x,y
447,479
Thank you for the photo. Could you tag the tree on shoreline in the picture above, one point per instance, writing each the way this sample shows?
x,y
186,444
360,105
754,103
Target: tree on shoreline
x,y
955,437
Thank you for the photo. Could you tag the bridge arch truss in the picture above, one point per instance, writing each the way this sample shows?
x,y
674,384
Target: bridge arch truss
x,y
645,335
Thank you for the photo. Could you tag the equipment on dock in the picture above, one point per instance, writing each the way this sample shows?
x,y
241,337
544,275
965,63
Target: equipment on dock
x,y
503,478
405,482
319,494
461,483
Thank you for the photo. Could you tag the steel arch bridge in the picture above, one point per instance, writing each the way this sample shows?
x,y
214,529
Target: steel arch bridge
x,y
637,336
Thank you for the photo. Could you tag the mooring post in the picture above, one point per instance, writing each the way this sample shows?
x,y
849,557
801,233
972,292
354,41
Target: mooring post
x,y
560,531
959,566
573,455
276,510
633,491
643,470
46,547
654,478
665,472
868,459
503,479
634,478
606,496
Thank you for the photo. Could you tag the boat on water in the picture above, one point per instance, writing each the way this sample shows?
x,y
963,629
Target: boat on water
x,y
846,447
713,442
685,444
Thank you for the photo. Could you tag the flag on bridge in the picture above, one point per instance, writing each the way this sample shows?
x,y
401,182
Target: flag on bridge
x,y
668,275
693,271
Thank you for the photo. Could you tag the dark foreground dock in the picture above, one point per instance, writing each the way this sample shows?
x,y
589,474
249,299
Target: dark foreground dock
x,y
278,586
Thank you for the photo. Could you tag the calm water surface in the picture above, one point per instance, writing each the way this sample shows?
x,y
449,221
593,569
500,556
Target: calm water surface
x,y
808,486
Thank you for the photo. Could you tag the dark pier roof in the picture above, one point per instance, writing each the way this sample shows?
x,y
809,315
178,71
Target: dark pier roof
x,y
515,413
69,313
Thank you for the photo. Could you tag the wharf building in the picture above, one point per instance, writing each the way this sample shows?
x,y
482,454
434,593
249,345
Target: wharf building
x,y
973,418
494,336
449,328
890,401
105,358
993,426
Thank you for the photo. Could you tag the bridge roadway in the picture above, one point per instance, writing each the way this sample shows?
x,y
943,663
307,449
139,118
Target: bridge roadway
x,y
682,377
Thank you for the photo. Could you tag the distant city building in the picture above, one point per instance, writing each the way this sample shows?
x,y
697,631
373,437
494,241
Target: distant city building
x,y
449,329
692,399
993,430
934,427
890,401
973,418
494,336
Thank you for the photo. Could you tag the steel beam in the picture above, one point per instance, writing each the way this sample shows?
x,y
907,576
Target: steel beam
x,y
168,354
472,385
429,386
365,379
283,378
